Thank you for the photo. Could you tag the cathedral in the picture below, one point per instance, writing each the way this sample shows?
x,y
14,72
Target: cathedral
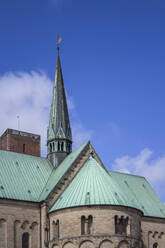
x,y
69,199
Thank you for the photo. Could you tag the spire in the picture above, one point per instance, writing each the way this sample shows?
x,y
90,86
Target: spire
x,y
59,136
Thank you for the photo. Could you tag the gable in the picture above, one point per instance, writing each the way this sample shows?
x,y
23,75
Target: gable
x,y
69,171
58,174
91,186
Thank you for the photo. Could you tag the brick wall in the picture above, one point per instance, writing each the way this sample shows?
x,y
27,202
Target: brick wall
x,y
21,142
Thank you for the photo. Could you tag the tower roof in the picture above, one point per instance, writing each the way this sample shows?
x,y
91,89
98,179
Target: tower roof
x,y
59,124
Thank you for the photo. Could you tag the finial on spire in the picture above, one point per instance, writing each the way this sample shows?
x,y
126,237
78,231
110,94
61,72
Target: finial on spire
x,y
59,39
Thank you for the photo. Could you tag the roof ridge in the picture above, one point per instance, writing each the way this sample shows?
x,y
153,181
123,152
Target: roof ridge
x,y
56,170
90,179
129,174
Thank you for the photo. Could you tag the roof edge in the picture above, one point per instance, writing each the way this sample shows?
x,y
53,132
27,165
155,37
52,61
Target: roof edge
x,y
87,143
129,174
97,205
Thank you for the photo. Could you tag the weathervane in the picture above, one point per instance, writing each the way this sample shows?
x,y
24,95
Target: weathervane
x,y
58,42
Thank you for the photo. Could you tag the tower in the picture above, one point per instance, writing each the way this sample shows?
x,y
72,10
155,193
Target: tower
x,y
59,136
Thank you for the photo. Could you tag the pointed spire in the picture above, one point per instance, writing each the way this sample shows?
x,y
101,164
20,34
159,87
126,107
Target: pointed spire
x,y
59,136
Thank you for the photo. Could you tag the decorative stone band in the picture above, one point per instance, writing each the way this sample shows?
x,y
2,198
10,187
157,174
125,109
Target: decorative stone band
x,y
96,240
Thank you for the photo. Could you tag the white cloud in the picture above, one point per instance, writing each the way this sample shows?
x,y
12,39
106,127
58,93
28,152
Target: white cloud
x,y
28,95
144,165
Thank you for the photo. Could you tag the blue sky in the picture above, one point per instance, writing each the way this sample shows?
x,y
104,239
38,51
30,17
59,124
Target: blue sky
x,y
112,55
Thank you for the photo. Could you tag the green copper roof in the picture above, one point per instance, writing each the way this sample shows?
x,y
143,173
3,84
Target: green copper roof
x,y
30,178
94,186
58,173
139,190
22,177
91,186
59,124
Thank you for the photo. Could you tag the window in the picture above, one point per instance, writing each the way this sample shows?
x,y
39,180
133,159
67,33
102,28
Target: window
x,y
46,234
58,146
68,147
89,227
86,224
23,148
62,146
56,229
155,245
50,147
121,224
82,225
25,240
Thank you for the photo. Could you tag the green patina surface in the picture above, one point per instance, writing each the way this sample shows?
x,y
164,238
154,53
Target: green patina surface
x,y
22,177
94,186
57,174
30,178
59,124
139,191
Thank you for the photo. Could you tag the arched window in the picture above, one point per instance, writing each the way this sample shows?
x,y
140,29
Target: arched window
x,y
53,146
58,146
155,245
62,146
86,224
25,240
50,147
123,244
89,227
121,225
46,234
82,225
116,224
23,148
56,232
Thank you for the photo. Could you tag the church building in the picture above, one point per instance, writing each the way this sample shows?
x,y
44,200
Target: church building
x,y
69,199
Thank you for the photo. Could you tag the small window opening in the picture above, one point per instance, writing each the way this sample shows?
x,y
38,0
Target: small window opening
x,y
68,148
82,225
62,146
56,229
58,146
25,240
121,225
46,234
155,245
23,148
86,224
89,225
50,147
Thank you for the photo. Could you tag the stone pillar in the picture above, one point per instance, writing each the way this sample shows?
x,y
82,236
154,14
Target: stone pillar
x,y
43,224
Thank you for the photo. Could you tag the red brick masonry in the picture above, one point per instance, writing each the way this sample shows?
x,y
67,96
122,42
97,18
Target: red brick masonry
x,y
21,142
